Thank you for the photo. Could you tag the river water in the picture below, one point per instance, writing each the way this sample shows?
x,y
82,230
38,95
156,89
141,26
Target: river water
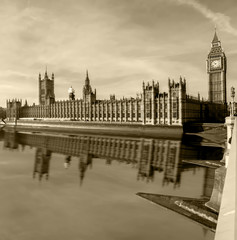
x,y
56,186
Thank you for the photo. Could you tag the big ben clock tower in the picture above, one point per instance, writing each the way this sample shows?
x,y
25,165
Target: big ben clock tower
x,y
216,69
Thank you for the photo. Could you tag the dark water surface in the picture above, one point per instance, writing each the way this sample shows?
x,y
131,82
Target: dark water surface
x,y
84,187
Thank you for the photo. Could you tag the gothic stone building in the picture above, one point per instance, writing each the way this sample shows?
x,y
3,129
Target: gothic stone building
x,y
216,69
152,107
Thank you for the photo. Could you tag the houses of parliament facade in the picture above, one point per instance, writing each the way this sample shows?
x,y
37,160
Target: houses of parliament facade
x,y
152,107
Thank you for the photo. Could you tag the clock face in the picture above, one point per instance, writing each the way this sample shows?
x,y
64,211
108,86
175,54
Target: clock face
x,y
215,64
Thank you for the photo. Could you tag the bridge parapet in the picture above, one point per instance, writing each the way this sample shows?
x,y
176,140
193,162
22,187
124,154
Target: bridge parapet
x,y
227,221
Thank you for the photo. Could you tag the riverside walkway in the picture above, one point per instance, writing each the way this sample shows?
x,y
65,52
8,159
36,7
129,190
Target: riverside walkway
x,y
227,221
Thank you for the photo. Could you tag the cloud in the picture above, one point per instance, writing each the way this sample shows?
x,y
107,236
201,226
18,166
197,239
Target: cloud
x,y
11,73
221,20
121,44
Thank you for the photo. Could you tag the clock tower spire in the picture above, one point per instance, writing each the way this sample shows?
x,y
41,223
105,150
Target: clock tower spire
x,y
216,69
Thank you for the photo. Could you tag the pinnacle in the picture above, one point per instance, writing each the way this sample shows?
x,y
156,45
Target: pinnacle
x,y
215,38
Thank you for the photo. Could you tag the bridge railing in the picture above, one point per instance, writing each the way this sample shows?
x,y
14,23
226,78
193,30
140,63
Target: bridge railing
x,y
227,221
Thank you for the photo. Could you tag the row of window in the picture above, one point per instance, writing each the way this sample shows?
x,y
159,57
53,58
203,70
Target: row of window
x,y
96,115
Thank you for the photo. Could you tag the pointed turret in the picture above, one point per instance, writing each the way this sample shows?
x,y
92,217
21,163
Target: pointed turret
x,y
215,38
87,93
215,41
87,81
46,74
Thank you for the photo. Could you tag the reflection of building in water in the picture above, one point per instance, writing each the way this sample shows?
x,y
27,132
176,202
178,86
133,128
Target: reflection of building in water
x,y
1,135
145,167
85,160
149,155
42,160
162,156
172,170
67,161
10,140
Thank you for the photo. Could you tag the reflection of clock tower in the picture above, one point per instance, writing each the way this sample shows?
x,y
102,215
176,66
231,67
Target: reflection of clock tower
x,y
216,69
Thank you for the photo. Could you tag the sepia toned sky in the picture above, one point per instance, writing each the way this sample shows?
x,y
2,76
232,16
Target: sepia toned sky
x,y
121,43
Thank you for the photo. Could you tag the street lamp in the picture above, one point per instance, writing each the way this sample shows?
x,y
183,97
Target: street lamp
x,y
233,97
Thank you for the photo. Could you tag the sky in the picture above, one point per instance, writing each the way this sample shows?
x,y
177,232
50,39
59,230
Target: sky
x,y
121,43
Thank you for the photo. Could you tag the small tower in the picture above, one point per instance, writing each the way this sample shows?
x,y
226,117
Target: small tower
x,y
88,94
46,89
13,110
177,97
89,97
149,96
